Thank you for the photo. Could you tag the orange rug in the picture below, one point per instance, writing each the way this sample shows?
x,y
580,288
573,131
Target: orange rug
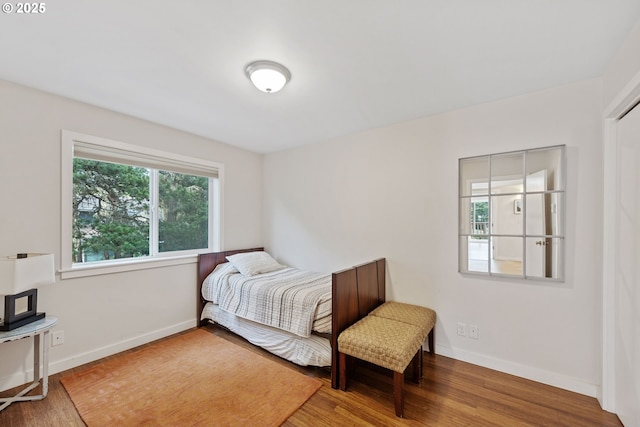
x,y
194,379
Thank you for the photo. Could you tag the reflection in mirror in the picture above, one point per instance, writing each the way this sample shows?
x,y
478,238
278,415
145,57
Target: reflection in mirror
x,y
543,257
506,168
507,255
476,253
506,218
474,177
22,305
511,211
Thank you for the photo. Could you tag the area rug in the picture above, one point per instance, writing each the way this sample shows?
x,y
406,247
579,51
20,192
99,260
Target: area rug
x,y
193,379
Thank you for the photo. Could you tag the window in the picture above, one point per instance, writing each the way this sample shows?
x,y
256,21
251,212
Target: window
x,y
127,205
511,209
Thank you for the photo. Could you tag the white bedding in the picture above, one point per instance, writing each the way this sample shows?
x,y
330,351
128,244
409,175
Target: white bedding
x,y
293,300
310,351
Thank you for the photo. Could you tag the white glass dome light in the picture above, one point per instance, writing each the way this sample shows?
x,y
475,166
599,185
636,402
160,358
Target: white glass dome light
x,y
268,76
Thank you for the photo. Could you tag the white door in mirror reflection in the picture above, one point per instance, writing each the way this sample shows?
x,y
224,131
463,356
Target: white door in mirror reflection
x,y
536,224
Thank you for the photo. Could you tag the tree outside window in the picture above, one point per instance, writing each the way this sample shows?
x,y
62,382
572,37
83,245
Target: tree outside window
x,y
114,218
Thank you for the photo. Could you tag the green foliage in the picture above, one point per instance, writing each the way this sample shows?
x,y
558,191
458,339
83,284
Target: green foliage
x,y
184,211
481,210
111,211
479,216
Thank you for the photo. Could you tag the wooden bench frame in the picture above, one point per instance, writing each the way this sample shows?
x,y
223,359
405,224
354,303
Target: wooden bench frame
x,y
404,328
398,378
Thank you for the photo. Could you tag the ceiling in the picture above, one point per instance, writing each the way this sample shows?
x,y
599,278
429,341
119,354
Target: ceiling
x,y
356,64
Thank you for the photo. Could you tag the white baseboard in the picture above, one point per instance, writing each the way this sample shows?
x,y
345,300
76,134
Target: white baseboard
x,y
534,374
56,366
523,371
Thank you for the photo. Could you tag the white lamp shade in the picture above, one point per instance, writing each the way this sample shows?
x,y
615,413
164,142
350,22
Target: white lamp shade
x,y
21,274
268,80
268,76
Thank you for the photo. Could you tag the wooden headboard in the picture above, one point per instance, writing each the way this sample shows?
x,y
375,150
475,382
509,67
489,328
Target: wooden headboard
x,y
355,292
206,264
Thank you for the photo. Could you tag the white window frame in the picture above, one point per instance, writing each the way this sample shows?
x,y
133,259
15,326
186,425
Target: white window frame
x,y
71,141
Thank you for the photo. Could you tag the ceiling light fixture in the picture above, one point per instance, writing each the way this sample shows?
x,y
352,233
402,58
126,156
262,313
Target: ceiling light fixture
x,y
268,76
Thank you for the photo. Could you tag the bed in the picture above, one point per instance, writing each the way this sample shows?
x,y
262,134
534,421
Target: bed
x,y
352,293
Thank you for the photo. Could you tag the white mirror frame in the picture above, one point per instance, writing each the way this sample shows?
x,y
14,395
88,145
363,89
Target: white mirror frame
x,y
506,239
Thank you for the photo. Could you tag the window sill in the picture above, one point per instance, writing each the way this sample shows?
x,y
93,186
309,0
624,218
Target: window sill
x,y
96,269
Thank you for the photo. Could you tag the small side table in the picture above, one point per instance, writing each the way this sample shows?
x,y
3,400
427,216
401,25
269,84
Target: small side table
x,y
39,330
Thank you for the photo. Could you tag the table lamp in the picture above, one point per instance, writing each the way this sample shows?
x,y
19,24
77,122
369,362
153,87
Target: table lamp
x,y
20,276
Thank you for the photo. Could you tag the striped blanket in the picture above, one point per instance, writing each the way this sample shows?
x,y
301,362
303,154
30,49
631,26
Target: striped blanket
x,y
287,299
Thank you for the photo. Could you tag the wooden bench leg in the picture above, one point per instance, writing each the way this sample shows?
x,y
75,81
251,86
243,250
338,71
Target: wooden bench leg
x,y
432,340
416,365
343,371
398,393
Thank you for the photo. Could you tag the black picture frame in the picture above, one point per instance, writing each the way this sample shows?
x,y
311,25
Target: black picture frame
x,y
14,320
517,206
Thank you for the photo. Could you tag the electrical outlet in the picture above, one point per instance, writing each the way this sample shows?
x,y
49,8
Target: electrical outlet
x,y
462,329
473,331
57,338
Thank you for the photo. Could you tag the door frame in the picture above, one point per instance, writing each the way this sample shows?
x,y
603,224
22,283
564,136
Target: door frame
x,y
623,102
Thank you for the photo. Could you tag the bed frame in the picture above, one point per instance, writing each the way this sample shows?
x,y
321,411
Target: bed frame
x,y
356,291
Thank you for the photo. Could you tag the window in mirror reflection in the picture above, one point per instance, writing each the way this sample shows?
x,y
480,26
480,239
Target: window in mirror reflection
x,y
511,211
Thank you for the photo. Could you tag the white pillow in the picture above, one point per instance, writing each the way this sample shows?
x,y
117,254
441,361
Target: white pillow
x,y
252,263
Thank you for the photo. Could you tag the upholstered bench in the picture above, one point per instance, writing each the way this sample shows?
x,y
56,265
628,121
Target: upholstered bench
x,y
391,337
422,317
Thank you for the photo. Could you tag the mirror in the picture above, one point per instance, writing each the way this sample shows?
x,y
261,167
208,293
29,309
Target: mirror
x,y
511,211
22,305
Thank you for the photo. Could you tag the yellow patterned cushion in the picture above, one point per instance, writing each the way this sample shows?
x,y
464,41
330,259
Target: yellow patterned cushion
x,y
422,317
384,342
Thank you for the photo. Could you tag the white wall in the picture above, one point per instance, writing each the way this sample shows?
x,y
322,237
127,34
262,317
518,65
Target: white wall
x,y
392,192
623,68
104,314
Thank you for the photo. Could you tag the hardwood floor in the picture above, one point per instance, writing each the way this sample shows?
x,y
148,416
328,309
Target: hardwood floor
x,y
451,394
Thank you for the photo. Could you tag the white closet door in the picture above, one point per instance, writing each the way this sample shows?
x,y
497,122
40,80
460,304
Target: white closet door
x,y
627,334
